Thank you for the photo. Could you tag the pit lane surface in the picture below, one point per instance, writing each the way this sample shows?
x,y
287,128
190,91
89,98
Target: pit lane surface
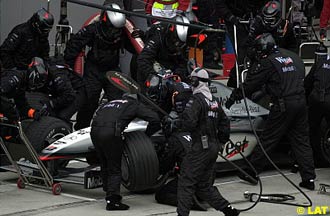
x,y
75,200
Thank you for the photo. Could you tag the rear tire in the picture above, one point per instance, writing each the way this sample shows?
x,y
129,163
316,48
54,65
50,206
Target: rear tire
x,y
140,166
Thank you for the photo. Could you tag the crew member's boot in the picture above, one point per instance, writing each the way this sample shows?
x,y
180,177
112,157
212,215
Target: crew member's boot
x,y
230,211
114,203
310,185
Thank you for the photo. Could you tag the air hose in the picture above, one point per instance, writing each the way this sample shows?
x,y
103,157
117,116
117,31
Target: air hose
x,y
271,198
274,165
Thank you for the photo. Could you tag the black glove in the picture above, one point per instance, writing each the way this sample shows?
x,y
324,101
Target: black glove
x,y
48,105
236,95
169,125
137,33
42,112
9,109
234,20
8,84
251,53
229,103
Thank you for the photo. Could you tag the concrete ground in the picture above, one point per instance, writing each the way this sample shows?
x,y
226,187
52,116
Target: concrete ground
x,y
75,200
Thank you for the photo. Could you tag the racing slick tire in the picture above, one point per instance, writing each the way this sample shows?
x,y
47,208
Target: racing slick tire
x,y
140,165
322,151
45,131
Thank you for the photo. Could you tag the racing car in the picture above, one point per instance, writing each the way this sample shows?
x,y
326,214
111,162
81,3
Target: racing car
x,y
141,158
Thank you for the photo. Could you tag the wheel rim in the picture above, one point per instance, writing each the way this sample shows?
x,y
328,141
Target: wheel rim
x,y
56,136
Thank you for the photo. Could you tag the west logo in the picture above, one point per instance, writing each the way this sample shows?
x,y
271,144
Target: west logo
x,y
284,60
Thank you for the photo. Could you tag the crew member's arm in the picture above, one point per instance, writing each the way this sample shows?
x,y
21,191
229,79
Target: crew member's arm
x,y
147,114
8,48
223,126
137,33
256,28
309,81
64,93
77,42
225,13
289,40
190,116
43,48
255,80
148,56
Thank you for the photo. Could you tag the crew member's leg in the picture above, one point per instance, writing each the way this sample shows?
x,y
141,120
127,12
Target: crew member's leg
x,y
93,91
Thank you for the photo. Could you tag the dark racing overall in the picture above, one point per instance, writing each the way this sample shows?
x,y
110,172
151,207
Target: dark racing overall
x,y
317,85
106,134
282,74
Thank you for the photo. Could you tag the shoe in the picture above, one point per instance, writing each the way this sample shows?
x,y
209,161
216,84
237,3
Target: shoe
x,y
114,203
230,211
310,185
113,206
294,168
253,181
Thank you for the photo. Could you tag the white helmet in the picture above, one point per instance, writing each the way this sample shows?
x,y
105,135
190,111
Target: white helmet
x,y
111,18
199,75
182,31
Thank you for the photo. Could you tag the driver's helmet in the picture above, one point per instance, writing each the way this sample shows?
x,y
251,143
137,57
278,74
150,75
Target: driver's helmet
x,y
112,23
176,36
180,96
264,45
159,88
271,15
321,53
42,22
37,74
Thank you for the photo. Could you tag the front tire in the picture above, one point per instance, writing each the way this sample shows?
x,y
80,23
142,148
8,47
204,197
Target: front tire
x,y
45,131
140,165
